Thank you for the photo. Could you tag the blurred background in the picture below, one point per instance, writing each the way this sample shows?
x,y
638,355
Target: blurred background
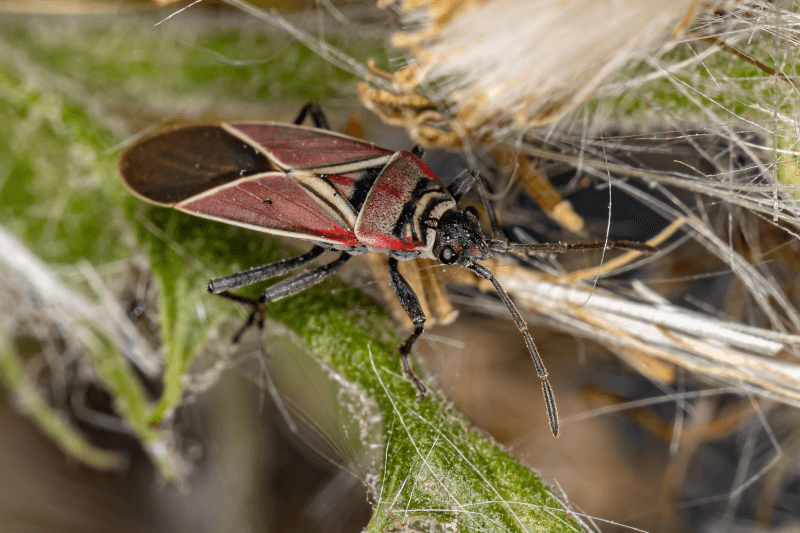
x,y
677,434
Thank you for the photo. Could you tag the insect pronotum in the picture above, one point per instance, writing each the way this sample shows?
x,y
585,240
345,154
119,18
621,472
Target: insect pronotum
x,y
336,191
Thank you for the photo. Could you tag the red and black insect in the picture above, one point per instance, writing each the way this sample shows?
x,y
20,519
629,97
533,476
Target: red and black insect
x,y
339,192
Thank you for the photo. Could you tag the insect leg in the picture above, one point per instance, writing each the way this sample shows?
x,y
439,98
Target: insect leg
x,y
258,311
558,247
302,281
317,115
220,286
408,299
549,398
254,275
463,183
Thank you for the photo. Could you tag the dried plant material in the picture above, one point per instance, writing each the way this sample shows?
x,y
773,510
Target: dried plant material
x,y
415,113
654,369
30,400
718,349
680,462
30,286
726,423
788,160
644,417
89,337
538,187
523,64
51,7
775,480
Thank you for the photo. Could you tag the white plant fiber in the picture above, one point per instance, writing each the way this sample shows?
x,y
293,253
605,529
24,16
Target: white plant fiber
x,y
536,60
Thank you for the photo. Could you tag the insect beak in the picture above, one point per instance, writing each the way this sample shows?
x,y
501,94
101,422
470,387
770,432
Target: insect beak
x,y
478,252
474,254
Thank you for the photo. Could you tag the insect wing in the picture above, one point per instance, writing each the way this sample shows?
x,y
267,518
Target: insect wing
x,y
301,147
206,171
405,195
273,203
174,165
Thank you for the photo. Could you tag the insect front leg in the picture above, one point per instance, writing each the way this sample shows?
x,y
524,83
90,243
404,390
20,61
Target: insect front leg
x,y
464,182
410,303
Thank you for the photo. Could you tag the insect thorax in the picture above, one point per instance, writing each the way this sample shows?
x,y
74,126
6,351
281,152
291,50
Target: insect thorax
x,y
402,208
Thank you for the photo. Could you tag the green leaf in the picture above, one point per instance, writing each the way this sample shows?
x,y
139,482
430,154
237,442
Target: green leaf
x,y
69,95
438,468
685,87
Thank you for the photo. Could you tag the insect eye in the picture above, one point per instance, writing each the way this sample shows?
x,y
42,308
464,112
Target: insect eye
x,y
471,210
448,255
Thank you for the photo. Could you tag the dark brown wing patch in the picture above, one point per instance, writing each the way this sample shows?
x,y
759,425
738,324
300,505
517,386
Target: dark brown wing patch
x,y
172,166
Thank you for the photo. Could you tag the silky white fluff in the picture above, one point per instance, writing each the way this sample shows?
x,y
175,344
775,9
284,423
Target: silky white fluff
x,y
532,61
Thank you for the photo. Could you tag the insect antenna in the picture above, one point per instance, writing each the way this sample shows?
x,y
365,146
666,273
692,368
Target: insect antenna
x,y
560,247
547,390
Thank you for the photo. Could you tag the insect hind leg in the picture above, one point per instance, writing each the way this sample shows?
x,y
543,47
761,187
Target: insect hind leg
x,y
262,273
282,289
259,311
221,286
410,303
317,116
302,281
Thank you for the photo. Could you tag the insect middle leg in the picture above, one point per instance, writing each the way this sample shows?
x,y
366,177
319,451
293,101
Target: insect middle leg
x,y
410,303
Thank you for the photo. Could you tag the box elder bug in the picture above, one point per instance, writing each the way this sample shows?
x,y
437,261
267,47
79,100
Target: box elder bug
x,y
336,191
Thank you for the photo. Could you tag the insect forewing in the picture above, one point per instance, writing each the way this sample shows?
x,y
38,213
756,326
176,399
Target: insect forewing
x,y
209,172
300,147
174,165
271,202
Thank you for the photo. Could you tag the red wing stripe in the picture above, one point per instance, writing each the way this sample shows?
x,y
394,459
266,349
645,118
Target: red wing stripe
x,y
301,147
271,202
311,213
